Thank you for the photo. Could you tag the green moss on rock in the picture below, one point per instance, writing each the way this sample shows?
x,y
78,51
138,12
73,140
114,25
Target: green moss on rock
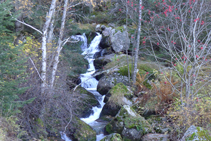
x,y
84,132
113,137
203,134
127,118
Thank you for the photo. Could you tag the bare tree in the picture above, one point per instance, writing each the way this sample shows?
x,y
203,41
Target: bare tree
x,y
49,16
137,42
60,44
182,31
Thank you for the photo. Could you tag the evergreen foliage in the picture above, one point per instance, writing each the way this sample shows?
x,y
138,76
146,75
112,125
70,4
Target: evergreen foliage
x,y
11,68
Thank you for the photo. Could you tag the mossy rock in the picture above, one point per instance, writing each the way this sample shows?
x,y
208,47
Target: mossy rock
x,y
196,134
113,137
116,98
127,122
82,131
88,101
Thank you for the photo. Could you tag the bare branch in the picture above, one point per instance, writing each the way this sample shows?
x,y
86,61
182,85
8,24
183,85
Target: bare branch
x,y
35,68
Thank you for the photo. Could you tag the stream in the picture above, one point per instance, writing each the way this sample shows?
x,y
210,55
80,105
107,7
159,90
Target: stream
x,y
90,84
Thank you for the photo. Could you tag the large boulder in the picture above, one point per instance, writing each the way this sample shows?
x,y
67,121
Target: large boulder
x,y
102,61
117,38
110,110
155,137
113,137
196,134
120,40
81,131
129,124
87,101
116,98
109,81
105,42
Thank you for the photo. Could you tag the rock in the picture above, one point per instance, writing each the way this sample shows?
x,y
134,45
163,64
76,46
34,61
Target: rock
x,y
110,110
105,42
97,55
107,96
111,24
109,81
119,41
106,51
72,81
132,134
88,101
103,27
98,28
81,131
196,134
113,137
107,31
129,124
116,98
102,61
155,137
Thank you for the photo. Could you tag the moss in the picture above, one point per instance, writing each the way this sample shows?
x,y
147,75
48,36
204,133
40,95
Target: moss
x,y
192,136
109,128
84,132
124,70
119,28
116,137
126,139
117,93
40,122
203,134
119,87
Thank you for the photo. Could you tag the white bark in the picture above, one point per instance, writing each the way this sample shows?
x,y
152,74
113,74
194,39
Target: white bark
x,y
44,41
60,45
138,42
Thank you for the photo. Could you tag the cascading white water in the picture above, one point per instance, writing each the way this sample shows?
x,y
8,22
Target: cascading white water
x,y
88,81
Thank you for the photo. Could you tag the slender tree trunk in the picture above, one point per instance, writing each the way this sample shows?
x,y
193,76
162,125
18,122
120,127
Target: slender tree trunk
x,y
137,42
44,42
59,48
128,64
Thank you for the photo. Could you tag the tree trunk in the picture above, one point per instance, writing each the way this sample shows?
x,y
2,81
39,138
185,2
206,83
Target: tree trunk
x,y
137,43
44,41
59,48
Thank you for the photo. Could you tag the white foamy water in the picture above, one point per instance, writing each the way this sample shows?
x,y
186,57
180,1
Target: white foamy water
x,y
89,82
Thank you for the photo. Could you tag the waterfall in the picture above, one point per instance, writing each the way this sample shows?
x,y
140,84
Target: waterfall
x,y
89,82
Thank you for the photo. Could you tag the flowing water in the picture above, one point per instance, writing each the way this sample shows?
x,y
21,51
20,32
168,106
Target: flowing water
x,y
90,84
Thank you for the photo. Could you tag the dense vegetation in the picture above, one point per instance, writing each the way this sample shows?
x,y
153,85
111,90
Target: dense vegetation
x,y
40,65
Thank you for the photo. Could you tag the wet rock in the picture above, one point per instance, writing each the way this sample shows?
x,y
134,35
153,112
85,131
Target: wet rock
x,y
110,110
102,61
72,81
81,131
98,28
155,137
97,54
105,43
88,101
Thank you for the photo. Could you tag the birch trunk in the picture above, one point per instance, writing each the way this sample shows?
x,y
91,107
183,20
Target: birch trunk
x,y
60,46
44,43
138,42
